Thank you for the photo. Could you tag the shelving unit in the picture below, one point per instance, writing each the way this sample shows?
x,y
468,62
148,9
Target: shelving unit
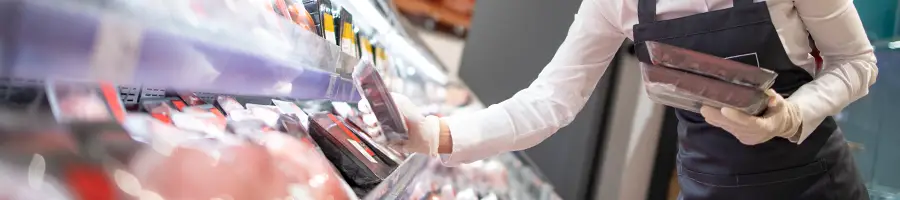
x,y
146,52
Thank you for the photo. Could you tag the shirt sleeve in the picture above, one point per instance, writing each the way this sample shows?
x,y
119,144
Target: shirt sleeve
x,y
550,102
849,61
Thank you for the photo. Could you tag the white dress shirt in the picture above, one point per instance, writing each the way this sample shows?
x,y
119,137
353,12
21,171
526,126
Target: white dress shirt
x,y
565,84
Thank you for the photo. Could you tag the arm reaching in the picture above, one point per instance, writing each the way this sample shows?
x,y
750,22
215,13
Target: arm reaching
x,y
548,104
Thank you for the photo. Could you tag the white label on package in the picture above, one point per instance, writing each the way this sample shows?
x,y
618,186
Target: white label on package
x,y
362,150
291,108
750,59
117,46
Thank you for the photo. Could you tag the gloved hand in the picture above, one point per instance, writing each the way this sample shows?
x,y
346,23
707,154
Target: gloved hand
x,y
781,119
423,131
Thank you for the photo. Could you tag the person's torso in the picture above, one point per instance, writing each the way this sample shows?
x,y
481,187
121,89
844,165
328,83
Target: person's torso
x,y
773,34
790,28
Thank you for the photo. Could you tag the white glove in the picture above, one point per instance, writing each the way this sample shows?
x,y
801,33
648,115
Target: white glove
x,y
782,119
423,131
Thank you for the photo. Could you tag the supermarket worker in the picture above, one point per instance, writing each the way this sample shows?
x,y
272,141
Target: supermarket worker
x,y
793,151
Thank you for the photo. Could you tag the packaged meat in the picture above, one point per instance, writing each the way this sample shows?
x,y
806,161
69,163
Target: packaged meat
x,y
370,85
689,91
388,155
175,164
291,109
161,110
84,102
228,104
269,114
353,158
708,65
190,98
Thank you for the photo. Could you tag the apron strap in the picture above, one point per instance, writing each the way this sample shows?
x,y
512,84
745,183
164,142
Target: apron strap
x,y
647,9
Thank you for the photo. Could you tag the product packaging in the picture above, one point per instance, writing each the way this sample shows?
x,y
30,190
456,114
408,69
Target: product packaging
x,y
312,6
348,35
175,164
228,104
158,109
372,88
208,112
177,103
202,122
269,114
73,102
358,163
365,47
190,98
690,91
389,156
328,22
711,66
291,109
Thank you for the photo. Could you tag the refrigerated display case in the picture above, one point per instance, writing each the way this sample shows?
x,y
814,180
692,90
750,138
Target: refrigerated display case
x,y
109,99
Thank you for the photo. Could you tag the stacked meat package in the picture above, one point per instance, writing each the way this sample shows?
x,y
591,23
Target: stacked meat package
x,y
688,80
85,144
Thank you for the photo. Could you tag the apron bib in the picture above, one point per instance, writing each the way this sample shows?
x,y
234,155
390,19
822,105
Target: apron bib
x,y
712,164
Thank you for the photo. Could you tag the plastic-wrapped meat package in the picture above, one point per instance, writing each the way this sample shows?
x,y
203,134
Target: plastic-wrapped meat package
x,y
690,91
388,155
174,164
708,65
228,104
371,86
83,102
160,110
356,161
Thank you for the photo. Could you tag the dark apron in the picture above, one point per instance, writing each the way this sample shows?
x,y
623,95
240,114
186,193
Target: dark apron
x,y
712,163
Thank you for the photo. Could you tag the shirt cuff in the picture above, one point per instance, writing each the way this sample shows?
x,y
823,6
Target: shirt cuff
x,y
810,118
474,138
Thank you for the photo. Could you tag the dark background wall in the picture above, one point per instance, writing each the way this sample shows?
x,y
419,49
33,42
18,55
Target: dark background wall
x,y
508,45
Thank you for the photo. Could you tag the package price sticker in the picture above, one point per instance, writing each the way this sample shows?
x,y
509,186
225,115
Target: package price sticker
x,y
116,52
362,150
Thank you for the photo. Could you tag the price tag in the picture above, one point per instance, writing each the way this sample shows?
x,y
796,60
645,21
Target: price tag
x,y
117,46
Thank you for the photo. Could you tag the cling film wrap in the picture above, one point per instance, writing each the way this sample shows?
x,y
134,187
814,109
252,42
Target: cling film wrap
x,y
711,66
689,91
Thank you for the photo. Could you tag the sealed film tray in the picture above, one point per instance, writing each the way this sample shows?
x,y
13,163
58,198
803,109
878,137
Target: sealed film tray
x,y
708,65
689,91
371,86
356,161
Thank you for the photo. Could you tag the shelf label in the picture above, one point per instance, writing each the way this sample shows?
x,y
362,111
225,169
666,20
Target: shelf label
x,y
117,46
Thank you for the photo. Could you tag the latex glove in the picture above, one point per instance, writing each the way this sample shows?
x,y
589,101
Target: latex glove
x,y
423,131
782,119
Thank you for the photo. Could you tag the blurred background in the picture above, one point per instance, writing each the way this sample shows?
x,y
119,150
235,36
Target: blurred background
x,y
205,78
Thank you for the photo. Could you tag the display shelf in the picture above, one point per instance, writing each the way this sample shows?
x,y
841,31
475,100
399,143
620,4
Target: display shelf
x,y
146,51
59,40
